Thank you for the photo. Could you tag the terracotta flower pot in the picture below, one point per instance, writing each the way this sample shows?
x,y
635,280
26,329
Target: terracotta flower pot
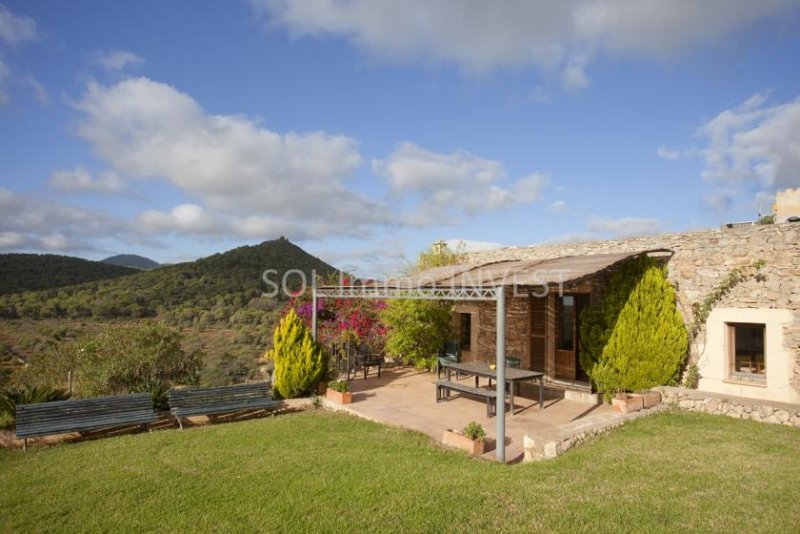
x,y
631,403
341,398
454,438
651,398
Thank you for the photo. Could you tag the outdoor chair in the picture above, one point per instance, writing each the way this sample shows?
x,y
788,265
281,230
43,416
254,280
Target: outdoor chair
x,y
366,359
451,352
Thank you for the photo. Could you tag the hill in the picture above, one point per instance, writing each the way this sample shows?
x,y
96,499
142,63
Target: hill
x,y
32,272
208,290
131,260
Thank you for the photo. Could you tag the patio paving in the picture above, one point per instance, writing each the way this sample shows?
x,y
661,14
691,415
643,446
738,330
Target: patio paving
x,y
407,397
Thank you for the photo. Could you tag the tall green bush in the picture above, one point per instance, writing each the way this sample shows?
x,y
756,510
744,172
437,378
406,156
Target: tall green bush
x,y
300,362
648,339
598,322
417,329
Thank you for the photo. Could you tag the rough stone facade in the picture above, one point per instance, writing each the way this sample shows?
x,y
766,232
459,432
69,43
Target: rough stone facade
x,y
701,260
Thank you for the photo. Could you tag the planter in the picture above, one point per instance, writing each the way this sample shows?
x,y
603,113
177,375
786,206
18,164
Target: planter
x,y
454,438
631,403
651,398
341,398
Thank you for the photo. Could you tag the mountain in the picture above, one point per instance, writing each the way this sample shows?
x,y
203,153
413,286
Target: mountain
x,y
31,272
210,289
131,260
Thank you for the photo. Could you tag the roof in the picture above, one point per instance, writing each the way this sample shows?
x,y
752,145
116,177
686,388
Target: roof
x,y
511,272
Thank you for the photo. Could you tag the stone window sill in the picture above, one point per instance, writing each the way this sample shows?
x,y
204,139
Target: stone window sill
x,y
745,383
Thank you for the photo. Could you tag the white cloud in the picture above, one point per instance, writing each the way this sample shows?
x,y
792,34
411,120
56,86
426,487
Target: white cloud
x,y
80,180
539,95
480,36
754,143
32,223
448,185
15,29
573,75
559,206
624,226
719,202
117,60
666,153
259,181
186,218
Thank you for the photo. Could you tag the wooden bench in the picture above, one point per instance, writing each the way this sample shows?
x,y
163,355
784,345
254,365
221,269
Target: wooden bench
x,y
220,400
444,387
61,417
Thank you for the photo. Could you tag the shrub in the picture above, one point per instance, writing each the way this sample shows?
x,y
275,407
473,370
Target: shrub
x,y
126,358
339,385
417,329
300,362
475,431
159,390
597,322
648,340
9,399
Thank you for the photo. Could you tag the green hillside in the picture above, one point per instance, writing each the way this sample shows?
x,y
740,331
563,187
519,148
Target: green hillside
x,y
210,289
131,260
33,272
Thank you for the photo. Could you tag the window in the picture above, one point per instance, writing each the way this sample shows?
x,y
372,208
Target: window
x,y
566,316
747,351
466,330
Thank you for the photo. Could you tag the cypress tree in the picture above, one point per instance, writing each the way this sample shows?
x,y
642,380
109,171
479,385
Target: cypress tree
x,y
597,322
648,340
300,362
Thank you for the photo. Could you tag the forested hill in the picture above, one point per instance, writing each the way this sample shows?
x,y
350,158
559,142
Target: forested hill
x,y
131,260
31,272
220,284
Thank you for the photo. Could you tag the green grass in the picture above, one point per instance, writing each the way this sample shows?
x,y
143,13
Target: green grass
x,y
323,472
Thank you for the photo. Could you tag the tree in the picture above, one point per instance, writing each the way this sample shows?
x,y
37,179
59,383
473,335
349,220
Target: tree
x,y
300,362
417,329
597,322
648,340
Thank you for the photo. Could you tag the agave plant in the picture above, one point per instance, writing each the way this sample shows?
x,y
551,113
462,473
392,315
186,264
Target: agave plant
x,y
159,390
10,398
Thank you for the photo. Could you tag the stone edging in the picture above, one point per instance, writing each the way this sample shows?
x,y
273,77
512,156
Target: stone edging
x,y
555,443
735,407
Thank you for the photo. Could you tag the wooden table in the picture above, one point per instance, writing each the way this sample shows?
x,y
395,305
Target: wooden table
x,y
513,377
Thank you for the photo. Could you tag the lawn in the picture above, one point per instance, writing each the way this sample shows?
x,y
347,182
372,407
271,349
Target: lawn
x,y
323,472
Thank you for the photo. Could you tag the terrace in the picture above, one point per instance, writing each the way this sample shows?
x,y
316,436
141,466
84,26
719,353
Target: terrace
x,y
406,397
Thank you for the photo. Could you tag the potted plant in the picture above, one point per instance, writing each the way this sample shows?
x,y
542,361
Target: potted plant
x,y
626,403
339,391
471,439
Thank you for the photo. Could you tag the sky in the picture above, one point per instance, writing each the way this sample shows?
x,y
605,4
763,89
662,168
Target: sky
x,y
365,130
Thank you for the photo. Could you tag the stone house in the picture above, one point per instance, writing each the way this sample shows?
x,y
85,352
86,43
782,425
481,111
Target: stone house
x,y
749,347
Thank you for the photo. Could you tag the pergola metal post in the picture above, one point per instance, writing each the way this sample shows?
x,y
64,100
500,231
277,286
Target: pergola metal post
x,y
314,311
500,361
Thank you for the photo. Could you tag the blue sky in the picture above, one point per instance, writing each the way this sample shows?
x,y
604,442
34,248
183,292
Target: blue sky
x,y
365,130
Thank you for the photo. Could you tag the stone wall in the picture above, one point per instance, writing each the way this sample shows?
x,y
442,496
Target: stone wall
x,y
700,262
736,407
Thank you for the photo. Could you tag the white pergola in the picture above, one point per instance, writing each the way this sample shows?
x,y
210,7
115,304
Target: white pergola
x,y
495,293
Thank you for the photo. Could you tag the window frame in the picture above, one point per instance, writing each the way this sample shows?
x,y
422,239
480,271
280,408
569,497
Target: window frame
x,y
732,373
461,320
